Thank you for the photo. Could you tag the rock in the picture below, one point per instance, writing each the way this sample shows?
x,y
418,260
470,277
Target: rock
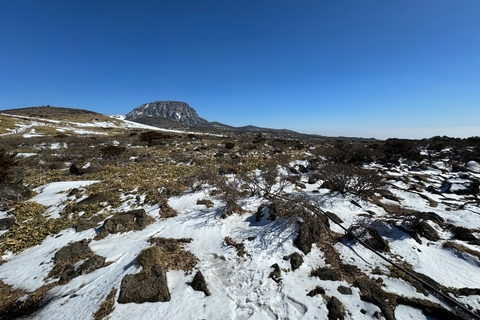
x,y
335,309
344,290
88,266
461,186
145,287
425,230
7,223
126,221
266,210
93,199
73,192
276,273
326,274
13,192
313,178
310,233
317,290
464,234
83,225
75,171
334,217
75,250
296,260
371,292
370,236
302,169
199,283
469,291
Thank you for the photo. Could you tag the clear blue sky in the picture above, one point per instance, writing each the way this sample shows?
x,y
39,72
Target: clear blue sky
x,y
381,68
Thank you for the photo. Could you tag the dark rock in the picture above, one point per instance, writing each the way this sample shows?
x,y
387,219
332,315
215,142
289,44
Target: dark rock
x,y
326,274
469,291
88,266
276,273
425,230
464,234
93,199
334,217
269,210
13,192
372,292
296,260
83,225
92,264
75,171
145,287
199,283
7,223
73,192
344,290
313,178
76,250
310,233
335,309
302,169
370,236
126,221
317,290
470,187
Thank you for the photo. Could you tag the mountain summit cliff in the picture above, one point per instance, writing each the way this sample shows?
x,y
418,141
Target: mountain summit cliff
x,y
172,110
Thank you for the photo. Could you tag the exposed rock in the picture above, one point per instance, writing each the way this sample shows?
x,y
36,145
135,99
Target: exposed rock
x,y
266,210
90,265
276,273
310,233
7,223
83,225
145,287
93,199
313,178
344,290
317,290
126,221
425,230
334,217
296,260
13,192
199,283
75,250
302,169
370,236
371,292
465,234
73,192
326,274
461,186
335,309
75,171
469,291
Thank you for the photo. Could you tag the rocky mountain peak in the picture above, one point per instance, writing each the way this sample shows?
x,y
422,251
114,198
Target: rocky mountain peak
x,y
173,110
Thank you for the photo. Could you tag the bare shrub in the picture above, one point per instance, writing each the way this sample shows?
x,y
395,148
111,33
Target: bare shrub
x,y
269,183
347,178
7,163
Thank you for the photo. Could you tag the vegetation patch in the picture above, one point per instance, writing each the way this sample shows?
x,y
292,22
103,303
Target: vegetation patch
x,y
106,307
169,253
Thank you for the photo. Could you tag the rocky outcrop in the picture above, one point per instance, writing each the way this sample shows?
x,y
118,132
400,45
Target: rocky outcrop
x,y
145,287
173,110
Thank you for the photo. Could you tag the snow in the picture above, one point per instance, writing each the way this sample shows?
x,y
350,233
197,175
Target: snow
x,y
54,193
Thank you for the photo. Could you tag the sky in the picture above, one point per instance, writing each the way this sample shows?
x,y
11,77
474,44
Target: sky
x,y
369,68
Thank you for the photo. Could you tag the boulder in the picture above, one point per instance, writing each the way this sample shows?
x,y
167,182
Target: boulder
x,y
145,287
315,291
90,265
425,230
335,309
296,260
83,225
93,199
326,274
310,233
199,283
76,250
75,171
464,234
344,290
370,236
13,192
7,223
126,221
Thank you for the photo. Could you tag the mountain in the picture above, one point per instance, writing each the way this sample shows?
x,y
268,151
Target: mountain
x,y
171,110
178,115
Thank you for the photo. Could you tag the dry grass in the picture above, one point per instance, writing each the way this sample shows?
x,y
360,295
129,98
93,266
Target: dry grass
x,y
240,247
107,306
169,253
461,248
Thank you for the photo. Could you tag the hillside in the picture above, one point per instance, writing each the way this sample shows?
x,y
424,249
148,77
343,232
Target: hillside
x,y
136,222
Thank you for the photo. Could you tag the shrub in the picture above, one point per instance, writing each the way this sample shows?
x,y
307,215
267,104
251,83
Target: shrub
x,y
7,163
347,178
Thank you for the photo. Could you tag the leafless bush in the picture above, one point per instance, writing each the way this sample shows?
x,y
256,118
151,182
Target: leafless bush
x,y
347,178
269,183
